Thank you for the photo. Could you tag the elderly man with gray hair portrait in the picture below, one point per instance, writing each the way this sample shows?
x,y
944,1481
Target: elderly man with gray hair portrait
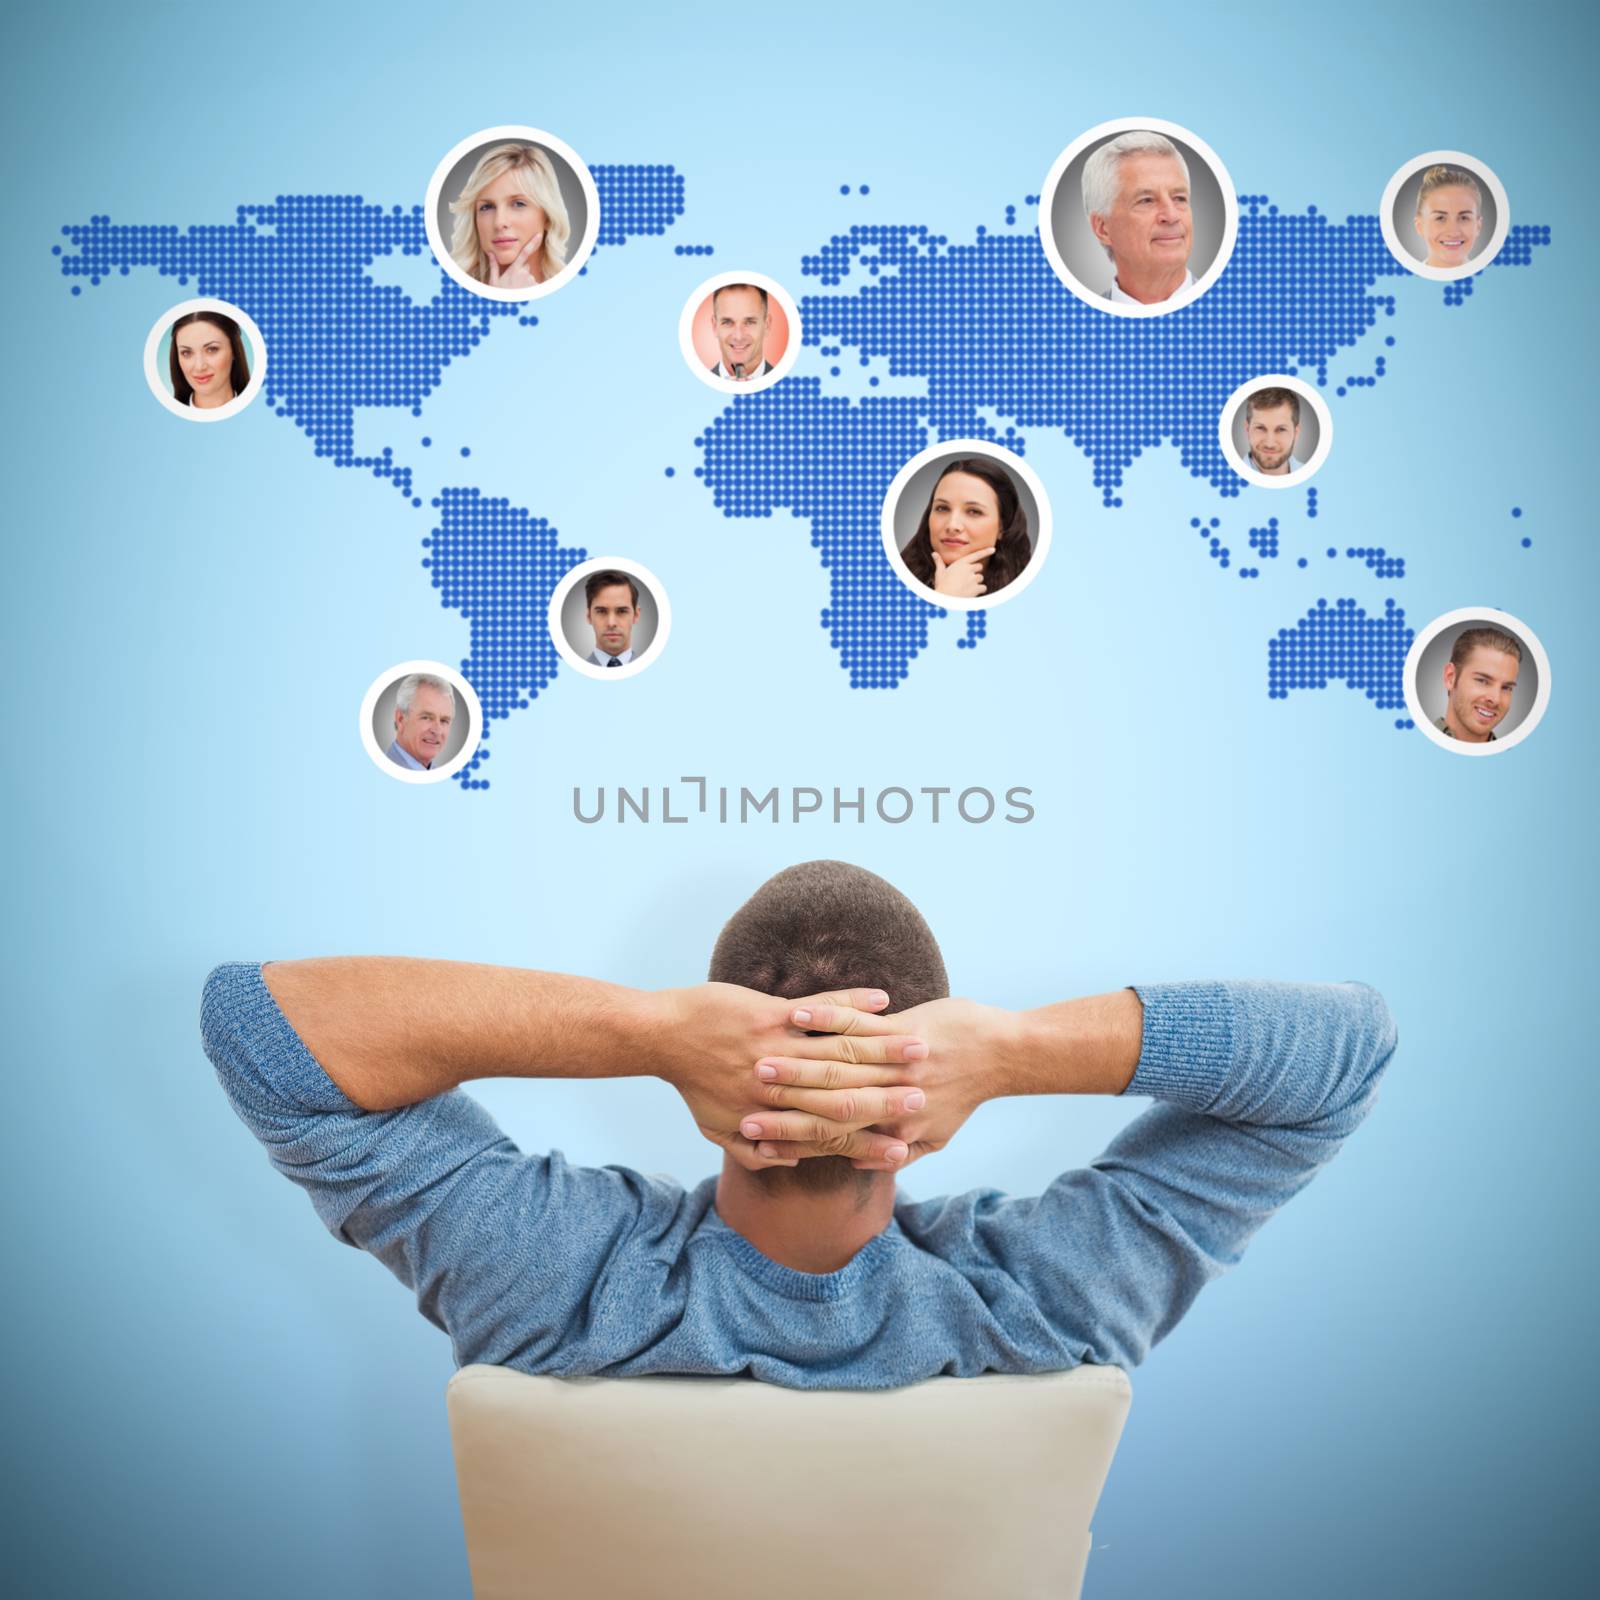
x,y
1136,197
424,709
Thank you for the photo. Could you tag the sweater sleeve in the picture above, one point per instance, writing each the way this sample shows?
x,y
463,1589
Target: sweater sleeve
x,y
1256,1087
501,1249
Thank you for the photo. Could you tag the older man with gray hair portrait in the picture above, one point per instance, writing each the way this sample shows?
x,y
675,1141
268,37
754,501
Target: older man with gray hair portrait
x,y
1136,197
424,709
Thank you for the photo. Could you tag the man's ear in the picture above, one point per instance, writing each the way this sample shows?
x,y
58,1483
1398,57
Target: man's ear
x,y
1449,677
1098,227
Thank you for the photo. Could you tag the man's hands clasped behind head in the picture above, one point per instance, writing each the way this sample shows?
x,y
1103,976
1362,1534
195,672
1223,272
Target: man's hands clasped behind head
x,y
958,1069
713,1033
773,1082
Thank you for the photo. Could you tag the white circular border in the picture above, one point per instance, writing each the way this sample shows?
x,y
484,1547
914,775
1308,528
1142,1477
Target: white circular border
x,y
647,579
1420,269
1493,618
380,757
780,369
1306,391
441,250
1173,130
1013,463
158,380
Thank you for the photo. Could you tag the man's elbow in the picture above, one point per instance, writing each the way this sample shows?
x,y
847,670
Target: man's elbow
x,y
247,1042
219,1013
1368,1050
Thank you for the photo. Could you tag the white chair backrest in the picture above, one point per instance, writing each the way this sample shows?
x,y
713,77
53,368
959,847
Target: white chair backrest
x,y
723,1487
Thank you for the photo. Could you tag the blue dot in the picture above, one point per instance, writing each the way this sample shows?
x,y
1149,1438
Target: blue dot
x,y
465,451
1516,511
672,472
1527,544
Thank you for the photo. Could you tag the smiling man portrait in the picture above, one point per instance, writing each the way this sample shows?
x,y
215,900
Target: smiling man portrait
x,y
740,319
424,710
1272,431
1479,681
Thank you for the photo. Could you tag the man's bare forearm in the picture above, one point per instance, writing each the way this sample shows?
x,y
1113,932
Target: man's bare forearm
x,y
1086,1046
389,1030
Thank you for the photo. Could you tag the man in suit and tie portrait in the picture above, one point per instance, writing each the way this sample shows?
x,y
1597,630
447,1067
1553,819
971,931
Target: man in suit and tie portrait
x,y
612,611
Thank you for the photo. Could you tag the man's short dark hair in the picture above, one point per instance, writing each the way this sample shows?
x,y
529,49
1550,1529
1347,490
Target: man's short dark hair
x,y
1480,638
829,925
722,286
1271,399
604,580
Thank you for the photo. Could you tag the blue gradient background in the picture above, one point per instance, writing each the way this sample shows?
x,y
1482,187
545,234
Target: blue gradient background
x,y
1395,1394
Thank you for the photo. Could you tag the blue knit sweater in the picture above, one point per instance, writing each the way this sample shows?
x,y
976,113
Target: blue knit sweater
x,y
529,1262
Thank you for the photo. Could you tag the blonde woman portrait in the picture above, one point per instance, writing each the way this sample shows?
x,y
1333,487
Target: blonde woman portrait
x,y
511,224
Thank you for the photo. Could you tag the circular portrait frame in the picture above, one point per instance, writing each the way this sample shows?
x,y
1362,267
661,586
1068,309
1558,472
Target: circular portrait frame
x,y
646,579
1013,463
513,133
780,368
1486,616
380,756
1307,392
1391,235
1109,130
158,379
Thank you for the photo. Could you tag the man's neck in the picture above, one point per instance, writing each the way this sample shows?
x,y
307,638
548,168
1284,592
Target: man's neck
x,y
807,1230
1152,288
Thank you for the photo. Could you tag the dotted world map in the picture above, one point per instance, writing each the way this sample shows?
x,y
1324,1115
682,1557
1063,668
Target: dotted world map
x,y
1299,293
